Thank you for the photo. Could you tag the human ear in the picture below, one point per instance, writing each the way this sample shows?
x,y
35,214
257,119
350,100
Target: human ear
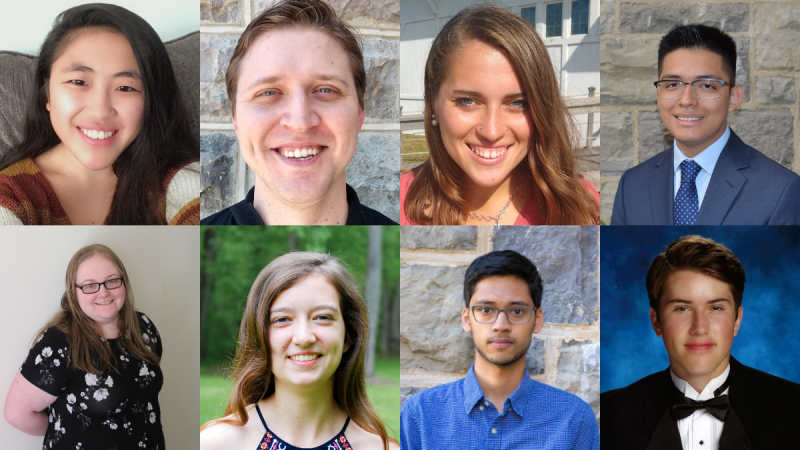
x,y
654,321
737,95
360,118
738,322
539,321
465,321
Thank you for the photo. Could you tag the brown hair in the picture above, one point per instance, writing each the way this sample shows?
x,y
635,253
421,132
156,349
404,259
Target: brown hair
x,y
699,254
252,367
298,13
87,351
437,186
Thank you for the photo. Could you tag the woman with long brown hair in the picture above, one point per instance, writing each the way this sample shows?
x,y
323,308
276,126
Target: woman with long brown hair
x,y
92,378
299,365
499,133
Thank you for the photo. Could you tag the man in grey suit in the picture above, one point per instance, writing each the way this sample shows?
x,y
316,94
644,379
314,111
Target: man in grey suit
x,y
709,176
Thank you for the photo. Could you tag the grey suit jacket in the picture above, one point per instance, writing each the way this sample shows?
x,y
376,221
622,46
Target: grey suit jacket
x,y
746,188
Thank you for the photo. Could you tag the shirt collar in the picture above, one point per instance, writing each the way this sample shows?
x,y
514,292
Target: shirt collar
x,y
473,394
707,159
708,391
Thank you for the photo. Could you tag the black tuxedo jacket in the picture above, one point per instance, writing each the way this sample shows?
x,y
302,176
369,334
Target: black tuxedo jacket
x,y
764,415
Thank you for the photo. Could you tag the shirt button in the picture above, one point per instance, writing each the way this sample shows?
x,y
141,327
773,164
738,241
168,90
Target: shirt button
x,y
486,403
494,430
701,442
481,408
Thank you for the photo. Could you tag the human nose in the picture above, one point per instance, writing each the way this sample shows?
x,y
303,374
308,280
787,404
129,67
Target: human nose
x,y
501,322
303,334
699,323
688,97
491,126
100,104
299,114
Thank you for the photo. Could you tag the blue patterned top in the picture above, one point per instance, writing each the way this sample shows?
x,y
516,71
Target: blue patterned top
x,y
536,416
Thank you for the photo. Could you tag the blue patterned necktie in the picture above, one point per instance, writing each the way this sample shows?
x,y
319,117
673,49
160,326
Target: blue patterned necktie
x,y
686,203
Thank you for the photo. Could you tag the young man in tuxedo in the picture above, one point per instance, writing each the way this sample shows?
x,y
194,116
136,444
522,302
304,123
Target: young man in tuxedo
x,y
705,400
708,176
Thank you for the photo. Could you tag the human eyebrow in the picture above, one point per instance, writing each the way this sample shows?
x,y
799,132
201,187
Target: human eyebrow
x,y
679,301
108,277
263,80
718,300
331,307
128,74
291,310
466,93
517,96
77,67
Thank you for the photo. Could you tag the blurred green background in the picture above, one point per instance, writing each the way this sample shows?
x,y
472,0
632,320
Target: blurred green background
x,y
232,257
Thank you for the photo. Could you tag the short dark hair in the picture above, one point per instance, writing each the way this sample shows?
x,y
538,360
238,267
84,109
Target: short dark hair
x,y
698,254
696,36
503,263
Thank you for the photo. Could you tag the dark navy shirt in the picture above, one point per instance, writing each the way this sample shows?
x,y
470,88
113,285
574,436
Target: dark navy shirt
x,y
458,416
243,213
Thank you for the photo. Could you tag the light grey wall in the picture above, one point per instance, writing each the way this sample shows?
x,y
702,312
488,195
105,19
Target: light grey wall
x,y
24,24
163,264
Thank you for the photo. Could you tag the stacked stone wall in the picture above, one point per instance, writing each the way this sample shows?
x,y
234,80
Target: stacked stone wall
x,y
373,171
767,35
434,348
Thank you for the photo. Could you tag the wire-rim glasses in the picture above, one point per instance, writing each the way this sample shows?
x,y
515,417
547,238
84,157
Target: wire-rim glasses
x,y
517,314
706,89
91,288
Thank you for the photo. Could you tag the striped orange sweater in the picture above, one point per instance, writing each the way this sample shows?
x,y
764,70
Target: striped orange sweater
x,y
26,197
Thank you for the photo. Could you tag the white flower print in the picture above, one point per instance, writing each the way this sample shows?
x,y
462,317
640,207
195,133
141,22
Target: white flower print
x,y
152,417
143,371
71,399
146,338
69,408
149,406
83,406
58,425
146,320
47,352
100,394
38,359
91,379
109,382
113,426
56,362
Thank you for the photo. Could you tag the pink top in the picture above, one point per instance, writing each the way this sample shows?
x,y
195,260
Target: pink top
x,y
528,216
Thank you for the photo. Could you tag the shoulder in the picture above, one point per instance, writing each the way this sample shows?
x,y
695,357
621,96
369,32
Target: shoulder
x,y
223,217
757,380
20,184
183,194
591,188
146,323
435,399
359,438
641,391
643,171
224,436
52,336
557,400
405,183
373,217
360,214
761,165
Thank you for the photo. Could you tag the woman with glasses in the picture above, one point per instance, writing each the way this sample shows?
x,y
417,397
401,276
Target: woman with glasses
x,y
299,365
92,378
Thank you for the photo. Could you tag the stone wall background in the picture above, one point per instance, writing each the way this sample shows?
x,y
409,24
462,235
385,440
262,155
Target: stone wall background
x,y
434,349
767,35
373,171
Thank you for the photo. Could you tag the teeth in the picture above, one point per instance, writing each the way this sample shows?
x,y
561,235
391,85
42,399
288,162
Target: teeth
x,y
94,134
692,119
304,357
306,152
106,303
488,154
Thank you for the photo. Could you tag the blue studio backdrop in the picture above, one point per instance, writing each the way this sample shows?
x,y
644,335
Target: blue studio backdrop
x,y
769,336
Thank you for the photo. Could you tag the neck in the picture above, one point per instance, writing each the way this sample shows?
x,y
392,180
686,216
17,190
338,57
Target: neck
x,y
488,201
110,330
331,209
498,382
61,163
699,382
303,415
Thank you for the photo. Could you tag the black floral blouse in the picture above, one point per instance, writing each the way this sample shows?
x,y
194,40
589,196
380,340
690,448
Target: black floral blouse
x,y
109,411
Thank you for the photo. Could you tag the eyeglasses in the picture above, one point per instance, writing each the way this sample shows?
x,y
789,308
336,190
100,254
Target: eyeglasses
x,y
704,89
514,314
91,288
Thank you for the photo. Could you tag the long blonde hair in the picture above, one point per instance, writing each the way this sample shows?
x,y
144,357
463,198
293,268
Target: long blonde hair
x,y
88,351
436,195
252,365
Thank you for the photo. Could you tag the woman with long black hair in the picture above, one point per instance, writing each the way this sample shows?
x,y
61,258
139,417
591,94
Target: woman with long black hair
x,y
107,138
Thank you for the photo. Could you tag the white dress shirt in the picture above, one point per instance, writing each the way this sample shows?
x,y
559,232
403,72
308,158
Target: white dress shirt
x,y
707,160
701,430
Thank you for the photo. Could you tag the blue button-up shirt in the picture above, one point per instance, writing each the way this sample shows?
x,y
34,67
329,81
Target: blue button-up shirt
x,y
458,416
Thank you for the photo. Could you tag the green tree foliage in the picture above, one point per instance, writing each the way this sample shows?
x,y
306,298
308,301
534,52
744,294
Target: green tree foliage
x,y
233,257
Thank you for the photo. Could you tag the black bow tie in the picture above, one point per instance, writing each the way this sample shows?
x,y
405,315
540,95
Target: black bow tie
x,y
717,406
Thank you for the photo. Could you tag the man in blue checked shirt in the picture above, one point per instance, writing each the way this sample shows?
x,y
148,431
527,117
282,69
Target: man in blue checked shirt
x,y
497,405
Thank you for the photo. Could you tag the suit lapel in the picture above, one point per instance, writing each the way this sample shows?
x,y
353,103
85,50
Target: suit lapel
x,y
725,183
666,435
733,435
662,189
